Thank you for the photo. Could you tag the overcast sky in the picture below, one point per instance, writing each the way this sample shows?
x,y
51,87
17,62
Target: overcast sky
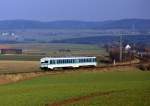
x,y
87,10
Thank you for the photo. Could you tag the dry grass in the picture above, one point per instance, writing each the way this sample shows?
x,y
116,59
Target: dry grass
x,y
9,78
33,67
18,70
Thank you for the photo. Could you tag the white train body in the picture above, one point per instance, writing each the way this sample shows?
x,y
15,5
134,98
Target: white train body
x,y
62,62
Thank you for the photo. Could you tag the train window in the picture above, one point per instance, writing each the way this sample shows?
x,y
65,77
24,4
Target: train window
x,y
65,60
76,60
69,61
73,61
92,60
81,60
52,61
58,61
84,60
62,61
88,60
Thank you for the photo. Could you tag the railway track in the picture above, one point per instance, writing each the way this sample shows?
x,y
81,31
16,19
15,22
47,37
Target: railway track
x,y
75,69
109,66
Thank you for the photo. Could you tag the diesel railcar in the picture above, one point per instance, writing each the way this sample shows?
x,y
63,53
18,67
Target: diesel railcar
x,y
62,62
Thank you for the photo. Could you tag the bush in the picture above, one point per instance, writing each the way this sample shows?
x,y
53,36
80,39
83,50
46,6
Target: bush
x,y
144,67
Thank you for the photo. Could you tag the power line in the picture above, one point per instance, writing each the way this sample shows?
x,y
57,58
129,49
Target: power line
x,y
120,47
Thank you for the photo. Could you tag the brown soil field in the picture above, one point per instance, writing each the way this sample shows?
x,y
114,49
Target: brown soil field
x,y
5,46
18,66
9,68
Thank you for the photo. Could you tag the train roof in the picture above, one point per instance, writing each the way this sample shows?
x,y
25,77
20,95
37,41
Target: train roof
x,y
66,57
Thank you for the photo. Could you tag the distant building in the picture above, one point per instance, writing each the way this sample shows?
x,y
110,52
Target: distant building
x,y
11,51
127,47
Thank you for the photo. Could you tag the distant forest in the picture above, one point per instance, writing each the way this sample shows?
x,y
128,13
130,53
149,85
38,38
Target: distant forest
x,y
139,24
102,40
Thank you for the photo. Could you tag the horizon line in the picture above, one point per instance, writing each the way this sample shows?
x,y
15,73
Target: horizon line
x,y
74,20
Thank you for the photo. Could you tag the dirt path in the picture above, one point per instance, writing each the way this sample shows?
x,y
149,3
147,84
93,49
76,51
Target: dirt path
x,y
77,99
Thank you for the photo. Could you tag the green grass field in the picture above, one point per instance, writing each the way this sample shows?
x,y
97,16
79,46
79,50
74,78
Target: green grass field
x,y
130,88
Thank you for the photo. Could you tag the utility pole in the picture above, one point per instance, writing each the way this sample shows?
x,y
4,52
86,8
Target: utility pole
x,y
120,47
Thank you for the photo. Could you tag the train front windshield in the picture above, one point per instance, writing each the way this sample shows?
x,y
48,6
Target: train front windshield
x,y
44,62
